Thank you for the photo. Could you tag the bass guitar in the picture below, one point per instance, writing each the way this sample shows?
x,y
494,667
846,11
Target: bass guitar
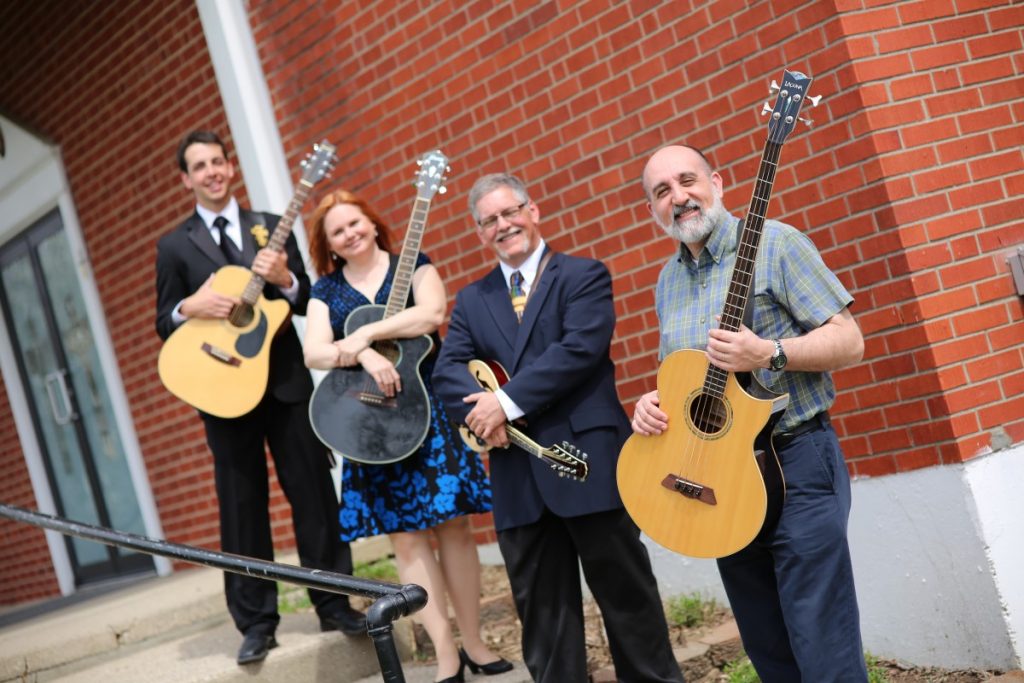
x,y
349,412
706,486
220,366
566,459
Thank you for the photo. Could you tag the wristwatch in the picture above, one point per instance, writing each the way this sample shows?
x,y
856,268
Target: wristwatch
x,y
779,359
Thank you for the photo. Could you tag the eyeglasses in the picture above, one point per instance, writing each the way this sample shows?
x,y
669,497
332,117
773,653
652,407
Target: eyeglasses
x,y
508,214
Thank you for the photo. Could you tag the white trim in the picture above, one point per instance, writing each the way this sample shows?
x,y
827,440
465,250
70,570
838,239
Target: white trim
x,y
249,109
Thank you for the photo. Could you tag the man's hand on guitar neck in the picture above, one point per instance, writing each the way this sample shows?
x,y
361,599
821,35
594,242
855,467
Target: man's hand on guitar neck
x,y
487,418
208,303
648,418
272,266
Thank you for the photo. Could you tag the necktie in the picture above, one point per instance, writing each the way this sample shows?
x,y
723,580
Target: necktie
x,y
518,294
227,246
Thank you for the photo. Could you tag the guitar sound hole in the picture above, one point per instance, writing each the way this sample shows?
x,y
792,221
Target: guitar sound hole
x,y
389,349
708,414
241,315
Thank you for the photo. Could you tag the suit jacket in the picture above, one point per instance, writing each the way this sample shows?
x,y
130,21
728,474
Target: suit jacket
x,y
188,255
561,376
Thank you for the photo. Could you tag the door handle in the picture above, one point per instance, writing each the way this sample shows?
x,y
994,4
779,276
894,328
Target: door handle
x,y
57,389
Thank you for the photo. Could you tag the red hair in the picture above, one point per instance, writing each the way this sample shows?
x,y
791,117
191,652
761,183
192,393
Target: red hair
x,y
325,261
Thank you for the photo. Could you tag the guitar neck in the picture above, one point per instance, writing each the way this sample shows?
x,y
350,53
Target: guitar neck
x,y
407,260
525,442
281,231
742,282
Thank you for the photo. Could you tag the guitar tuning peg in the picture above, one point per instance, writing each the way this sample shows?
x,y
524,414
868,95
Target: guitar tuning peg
x,y
419,162
766,109
814,100
442,189
807,120
774,87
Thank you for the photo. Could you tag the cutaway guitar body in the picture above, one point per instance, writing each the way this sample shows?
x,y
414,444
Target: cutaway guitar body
x,y
700,487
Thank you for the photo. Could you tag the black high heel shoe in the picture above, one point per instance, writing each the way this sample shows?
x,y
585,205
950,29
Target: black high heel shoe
x,y
488,669
459,676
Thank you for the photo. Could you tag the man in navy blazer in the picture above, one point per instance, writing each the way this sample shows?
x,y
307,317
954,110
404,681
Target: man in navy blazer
x,y
186,261
562,386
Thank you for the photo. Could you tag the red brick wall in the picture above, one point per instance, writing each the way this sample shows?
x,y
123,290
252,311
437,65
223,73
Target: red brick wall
x,y
909,181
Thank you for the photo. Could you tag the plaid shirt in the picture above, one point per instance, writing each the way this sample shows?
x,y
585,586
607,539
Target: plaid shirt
x,y
794,292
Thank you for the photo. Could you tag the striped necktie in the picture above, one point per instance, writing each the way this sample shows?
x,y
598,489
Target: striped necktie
x,y
518,294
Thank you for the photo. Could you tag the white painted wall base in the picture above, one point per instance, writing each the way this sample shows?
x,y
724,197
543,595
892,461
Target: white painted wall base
x,y
938,557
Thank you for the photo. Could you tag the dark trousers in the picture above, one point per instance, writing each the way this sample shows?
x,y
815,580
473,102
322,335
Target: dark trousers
x,y
792,589
543,561
303,470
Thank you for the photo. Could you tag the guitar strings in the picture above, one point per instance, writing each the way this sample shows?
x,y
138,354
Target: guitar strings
x,y
746,253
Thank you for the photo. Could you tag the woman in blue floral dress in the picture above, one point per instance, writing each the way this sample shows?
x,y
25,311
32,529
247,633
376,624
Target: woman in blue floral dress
x,y
429,494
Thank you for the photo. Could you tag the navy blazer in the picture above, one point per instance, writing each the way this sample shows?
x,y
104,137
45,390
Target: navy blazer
x,y
188,255
561,376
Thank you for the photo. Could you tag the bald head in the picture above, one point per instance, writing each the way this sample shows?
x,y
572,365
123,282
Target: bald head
x,y
672,157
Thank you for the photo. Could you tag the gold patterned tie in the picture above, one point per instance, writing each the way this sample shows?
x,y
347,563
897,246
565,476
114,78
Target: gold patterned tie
x,y
515,289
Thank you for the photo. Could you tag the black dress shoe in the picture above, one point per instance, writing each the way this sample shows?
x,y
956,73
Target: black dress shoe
x,y
347,620
255,647
488,669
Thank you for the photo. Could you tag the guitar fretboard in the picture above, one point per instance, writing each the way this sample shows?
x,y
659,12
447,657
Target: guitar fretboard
x,y
284,228
746,256
407,260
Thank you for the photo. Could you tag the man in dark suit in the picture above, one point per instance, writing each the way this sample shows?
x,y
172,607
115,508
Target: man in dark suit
x,y
219,233
562,385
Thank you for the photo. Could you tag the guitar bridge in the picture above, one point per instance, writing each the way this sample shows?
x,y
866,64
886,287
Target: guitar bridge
x,y
377,400
221,355
690,489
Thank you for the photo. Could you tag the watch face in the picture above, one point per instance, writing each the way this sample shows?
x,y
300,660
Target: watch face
x,y
778,362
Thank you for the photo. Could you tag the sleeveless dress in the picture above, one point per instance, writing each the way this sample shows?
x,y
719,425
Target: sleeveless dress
x,y
442,480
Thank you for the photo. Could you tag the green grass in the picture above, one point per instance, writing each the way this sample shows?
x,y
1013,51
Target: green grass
x,y
379,570
690,611
741,671
292,599
876,673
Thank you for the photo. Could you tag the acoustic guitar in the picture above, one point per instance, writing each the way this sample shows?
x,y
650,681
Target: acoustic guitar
x,y
564,458
707,485
349,412
221,366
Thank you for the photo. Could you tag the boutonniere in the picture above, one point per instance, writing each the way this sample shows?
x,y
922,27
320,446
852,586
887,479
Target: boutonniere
x,y
260,234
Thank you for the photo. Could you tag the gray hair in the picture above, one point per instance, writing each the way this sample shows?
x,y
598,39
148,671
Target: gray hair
x,y
489,183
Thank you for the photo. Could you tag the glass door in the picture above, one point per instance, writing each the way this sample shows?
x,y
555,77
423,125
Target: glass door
x,y
71,409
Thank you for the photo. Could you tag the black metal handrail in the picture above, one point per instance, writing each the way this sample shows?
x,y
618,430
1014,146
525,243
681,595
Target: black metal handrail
x,y
391,600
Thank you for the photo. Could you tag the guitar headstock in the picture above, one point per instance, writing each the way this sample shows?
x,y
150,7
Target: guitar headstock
x,y
568,461
786,111
430,179
319,163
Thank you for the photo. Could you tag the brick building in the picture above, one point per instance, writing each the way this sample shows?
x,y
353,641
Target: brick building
x,y
910,182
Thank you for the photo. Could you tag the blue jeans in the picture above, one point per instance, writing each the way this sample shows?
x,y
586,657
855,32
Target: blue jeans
x,y
791,590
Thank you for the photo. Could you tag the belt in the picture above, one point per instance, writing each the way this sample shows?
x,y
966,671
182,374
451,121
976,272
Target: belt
x,y
783,439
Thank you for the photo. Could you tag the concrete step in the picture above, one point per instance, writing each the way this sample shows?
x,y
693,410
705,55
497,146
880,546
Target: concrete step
x,y
177,629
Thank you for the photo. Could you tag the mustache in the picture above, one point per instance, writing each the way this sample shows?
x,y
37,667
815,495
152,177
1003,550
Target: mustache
x,y
678,211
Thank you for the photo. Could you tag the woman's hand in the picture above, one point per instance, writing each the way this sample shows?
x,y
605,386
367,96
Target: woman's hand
x,y
350,347
382,370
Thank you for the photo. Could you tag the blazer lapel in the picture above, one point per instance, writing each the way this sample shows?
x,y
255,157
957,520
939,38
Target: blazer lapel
x,y
499,305
533,306
199,235
248,220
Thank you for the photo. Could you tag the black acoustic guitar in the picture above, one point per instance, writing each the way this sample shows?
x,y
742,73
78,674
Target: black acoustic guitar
x,y
348,411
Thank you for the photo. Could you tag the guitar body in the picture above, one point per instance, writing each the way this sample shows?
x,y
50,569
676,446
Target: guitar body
x,y
350,414
218,366
720,500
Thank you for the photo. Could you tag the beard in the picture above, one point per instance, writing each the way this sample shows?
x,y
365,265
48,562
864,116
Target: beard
x,y
696,228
